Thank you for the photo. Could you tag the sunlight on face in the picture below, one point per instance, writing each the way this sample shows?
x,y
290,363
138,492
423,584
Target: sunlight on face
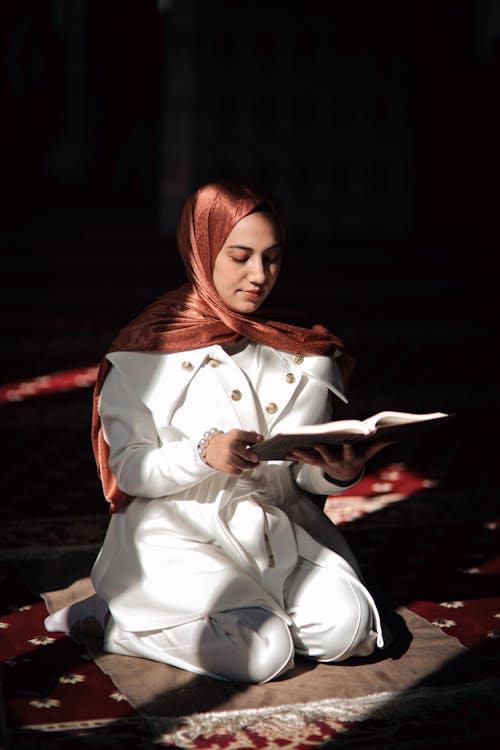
x,y
248,264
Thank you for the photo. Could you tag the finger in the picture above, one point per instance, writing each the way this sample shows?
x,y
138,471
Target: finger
x,y
306,457
239,462
247,455
376,447
327,454
250,438
348,452
242,456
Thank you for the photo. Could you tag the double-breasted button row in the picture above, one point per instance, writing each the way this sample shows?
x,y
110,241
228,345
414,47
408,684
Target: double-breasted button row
x,y
236,394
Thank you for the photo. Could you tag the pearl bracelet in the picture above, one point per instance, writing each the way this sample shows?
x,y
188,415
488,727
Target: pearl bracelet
x,y
203,444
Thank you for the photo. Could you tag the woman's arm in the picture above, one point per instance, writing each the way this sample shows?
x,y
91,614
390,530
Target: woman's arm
x,y
142,465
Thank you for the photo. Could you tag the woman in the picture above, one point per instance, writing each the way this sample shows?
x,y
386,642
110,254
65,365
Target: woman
x,y
213,561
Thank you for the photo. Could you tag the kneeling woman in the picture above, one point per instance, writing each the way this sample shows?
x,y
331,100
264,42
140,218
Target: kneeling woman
x,y
213,561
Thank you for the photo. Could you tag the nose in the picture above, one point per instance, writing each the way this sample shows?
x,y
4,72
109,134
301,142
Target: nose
x,y
256,270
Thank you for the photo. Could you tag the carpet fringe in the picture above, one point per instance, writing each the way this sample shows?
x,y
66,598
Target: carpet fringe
x,y
425,702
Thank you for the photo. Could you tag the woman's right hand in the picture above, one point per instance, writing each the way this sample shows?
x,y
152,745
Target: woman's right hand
x,y
229,452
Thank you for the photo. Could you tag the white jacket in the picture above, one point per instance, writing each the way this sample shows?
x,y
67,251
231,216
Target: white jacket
x,y
195,540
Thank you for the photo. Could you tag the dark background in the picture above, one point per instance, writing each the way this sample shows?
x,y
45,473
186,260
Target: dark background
x,y
370,121
375,124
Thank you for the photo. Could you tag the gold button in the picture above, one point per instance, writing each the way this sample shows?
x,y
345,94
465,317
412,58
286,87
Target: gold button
x,y
214,362
271,408
236,394
298,359
290,377
187,366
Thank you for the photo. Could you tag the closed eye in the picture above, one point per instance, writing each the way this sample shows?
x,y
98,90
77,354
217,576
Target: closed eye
x,y
266,259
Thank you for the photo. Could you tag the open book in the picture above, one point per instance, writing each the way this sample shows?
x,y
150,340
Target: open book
x,y
386,425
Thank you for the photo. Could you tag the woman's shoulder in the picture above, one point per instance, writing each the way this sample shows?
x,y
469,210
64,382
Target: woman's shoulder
x,y
153,358
146,368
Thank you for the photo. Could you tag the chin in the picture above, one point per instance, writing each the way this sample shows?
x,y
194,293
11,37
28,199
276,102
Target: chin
x,y
245,306
244,309
250,307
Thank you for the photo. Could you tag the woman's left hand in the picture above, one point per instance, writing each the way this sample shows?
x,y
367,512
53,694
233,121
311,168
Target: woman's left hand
x,y
341,462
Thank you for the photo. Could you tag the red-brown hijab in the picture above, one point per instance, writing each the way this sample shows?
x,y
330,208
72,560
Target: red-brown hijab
x,y
194,316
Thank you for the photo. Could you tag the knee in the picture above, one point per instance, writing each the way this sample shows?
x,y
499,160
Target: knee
x,y
258,647
340,628
271,652
351,634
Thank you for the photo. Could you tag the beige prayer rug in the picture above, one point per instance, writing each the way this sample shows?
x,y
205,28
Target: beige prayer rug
x,y
424,670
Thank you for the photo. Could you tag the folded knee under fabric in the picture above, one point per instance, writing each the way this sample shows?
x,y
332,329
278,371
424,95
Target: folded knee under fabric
x,y
247,645
332,615
331,620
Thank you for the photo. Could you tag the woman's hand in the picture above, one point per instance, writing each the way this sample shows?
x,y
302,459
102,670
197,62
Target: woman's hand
x,y
340,463
229,452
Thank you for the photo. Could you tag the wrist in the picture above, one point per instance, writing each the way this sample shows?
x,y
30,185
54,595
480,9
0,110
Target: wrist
x,y
344,482
204,441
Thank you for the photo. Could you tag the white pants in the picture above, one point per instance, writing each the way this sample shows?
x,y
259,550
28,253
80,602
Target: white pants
x,y
331,616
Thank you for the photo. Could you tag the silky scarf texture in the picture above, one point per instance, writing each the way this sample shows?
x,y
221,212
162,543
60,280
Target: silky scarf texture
x,y
194,316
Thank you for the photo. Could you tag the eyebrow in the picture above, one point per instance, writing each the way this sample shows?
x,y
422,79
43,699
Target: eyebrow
x,y
251,249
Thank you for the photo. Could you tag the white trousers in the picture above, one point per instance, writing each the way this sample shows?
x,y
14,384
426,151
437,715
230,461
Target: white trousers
x,y
331,621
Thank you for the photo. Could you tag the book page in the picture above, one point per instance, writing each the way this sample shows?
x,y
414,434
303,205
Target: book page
x,y
353,426
389,418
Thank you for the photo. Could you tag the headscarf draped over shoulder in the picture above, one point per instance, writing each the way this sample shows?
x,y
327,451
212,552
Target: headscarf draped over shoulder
x,y
194,316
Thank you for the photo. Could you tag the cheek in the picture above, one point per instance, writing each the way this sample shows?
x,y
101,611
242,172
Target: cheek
x,y
275,272
223,276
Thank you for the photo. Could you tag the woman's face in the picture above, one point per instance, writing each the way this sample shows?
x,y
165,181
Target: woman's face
x,y
249,262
